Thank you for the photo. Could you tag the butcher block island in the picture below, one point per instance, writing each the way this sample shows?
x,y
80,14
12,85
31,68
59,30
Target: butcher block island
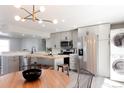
x,y
13,61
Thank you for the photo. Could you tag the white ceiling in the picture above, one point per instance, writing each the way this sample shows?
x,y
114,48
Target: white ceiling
x,y
74,16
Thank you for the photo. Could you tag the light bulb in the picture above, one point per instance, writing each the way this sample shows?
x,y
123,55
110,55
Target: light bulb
x,y
23,20
63,20
42,8
17,18
55,21
40,21
17,6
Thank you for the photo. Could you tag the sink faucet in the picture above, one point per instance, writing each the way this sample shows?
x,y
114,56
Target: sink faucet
x,y
33,50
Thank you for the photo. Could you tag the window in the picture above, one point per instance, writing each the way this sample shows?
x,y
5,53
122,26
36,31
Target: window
x,y
4,45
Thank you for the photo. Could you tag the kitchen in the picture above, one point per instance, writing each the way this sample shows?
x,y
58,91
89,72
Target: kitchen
x,y
17,55
51,49
81,48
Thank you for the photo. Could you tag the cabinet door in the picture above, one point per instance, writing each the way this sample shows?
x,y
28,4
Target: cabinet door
x,y
13,64
10,64
48,43
66,36
75,38
53,43
4,65
104,31
57,40
63,36
103,67
91,52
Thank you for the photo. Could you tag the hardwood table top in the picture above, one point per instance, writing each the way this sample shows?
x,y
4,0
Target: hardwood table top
x,y
48,79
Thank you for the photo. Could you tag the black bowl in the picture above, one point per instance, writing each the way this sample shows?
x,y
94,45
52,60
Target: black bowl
x,y
32,74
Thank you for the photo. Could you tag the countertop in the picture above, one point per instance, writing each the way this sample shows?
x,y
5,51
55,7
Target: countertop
x,y
47,56
36,54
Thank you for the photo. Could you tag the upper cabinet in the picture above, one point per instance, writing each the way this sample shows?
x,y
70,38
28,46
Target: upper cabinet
x,y
66,36
48,43
56,38
75,38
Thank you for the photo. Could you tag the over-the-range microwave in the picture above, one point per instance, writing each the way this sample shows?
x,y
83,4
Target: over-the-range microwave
x,y
66,44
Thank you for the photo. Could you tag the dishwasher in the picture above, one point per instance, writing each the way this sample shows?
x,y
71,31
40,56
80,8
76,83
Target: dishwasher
x,y
0,65
23,63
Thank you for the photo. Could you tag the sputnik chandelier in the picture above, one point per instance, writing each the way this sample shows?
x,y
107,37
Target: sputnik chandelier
x,y
33,15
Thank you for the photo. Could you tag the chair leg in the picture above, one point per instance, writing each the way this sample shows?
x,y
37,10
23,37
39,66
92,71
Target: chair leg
x,y
62,69
67,71
58,68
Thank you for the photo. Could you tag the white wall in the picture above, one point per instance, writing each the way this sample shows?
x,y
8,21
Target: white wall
x,y
18,44
28,43
15,43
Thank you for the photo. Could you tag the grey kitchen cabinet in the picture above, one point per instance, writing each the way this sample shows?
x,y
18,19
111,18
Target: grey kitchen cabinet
x,y
48,43
73,61
53,40
75,38
9,64
52,36
56,38
66,36
0,65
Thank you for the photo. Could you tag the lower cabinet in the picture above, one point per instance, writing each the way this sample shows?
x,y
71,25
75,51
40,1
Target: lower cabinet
x,y
73,61
9,64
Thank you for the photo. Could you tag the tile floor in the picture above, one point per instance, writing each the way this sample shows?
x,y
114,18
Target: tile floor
x,y
86,81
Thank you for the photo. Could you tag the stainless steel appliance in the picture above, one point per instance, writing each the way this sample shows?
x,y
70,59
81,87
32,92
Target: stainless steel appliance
x,y
23,63
66,44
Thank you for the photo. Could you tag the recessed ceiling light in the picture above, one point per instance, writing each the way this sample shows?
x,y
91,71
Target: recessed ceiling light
x,y
17,6
40,21
42,8
63,20
17,18
55,21
75,26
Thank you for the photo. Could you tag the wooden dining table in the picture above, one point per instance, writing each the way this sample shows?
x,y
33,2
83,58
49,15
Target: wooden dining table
x,y
48,79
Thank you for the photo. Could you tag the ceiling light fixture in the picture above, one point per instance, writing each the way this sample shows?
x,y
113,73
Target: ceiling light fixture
x,y
23,20
17,18
33,15
40,21
42,9
55,21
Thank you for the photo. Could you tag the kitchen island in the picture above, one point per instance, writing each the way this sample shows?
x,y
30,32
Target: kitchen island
x,y
46,59
10,61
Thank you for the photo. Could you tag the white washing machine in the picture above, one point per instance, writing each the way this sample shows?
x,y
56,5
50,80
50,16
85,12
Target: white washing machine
x,y
117,55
